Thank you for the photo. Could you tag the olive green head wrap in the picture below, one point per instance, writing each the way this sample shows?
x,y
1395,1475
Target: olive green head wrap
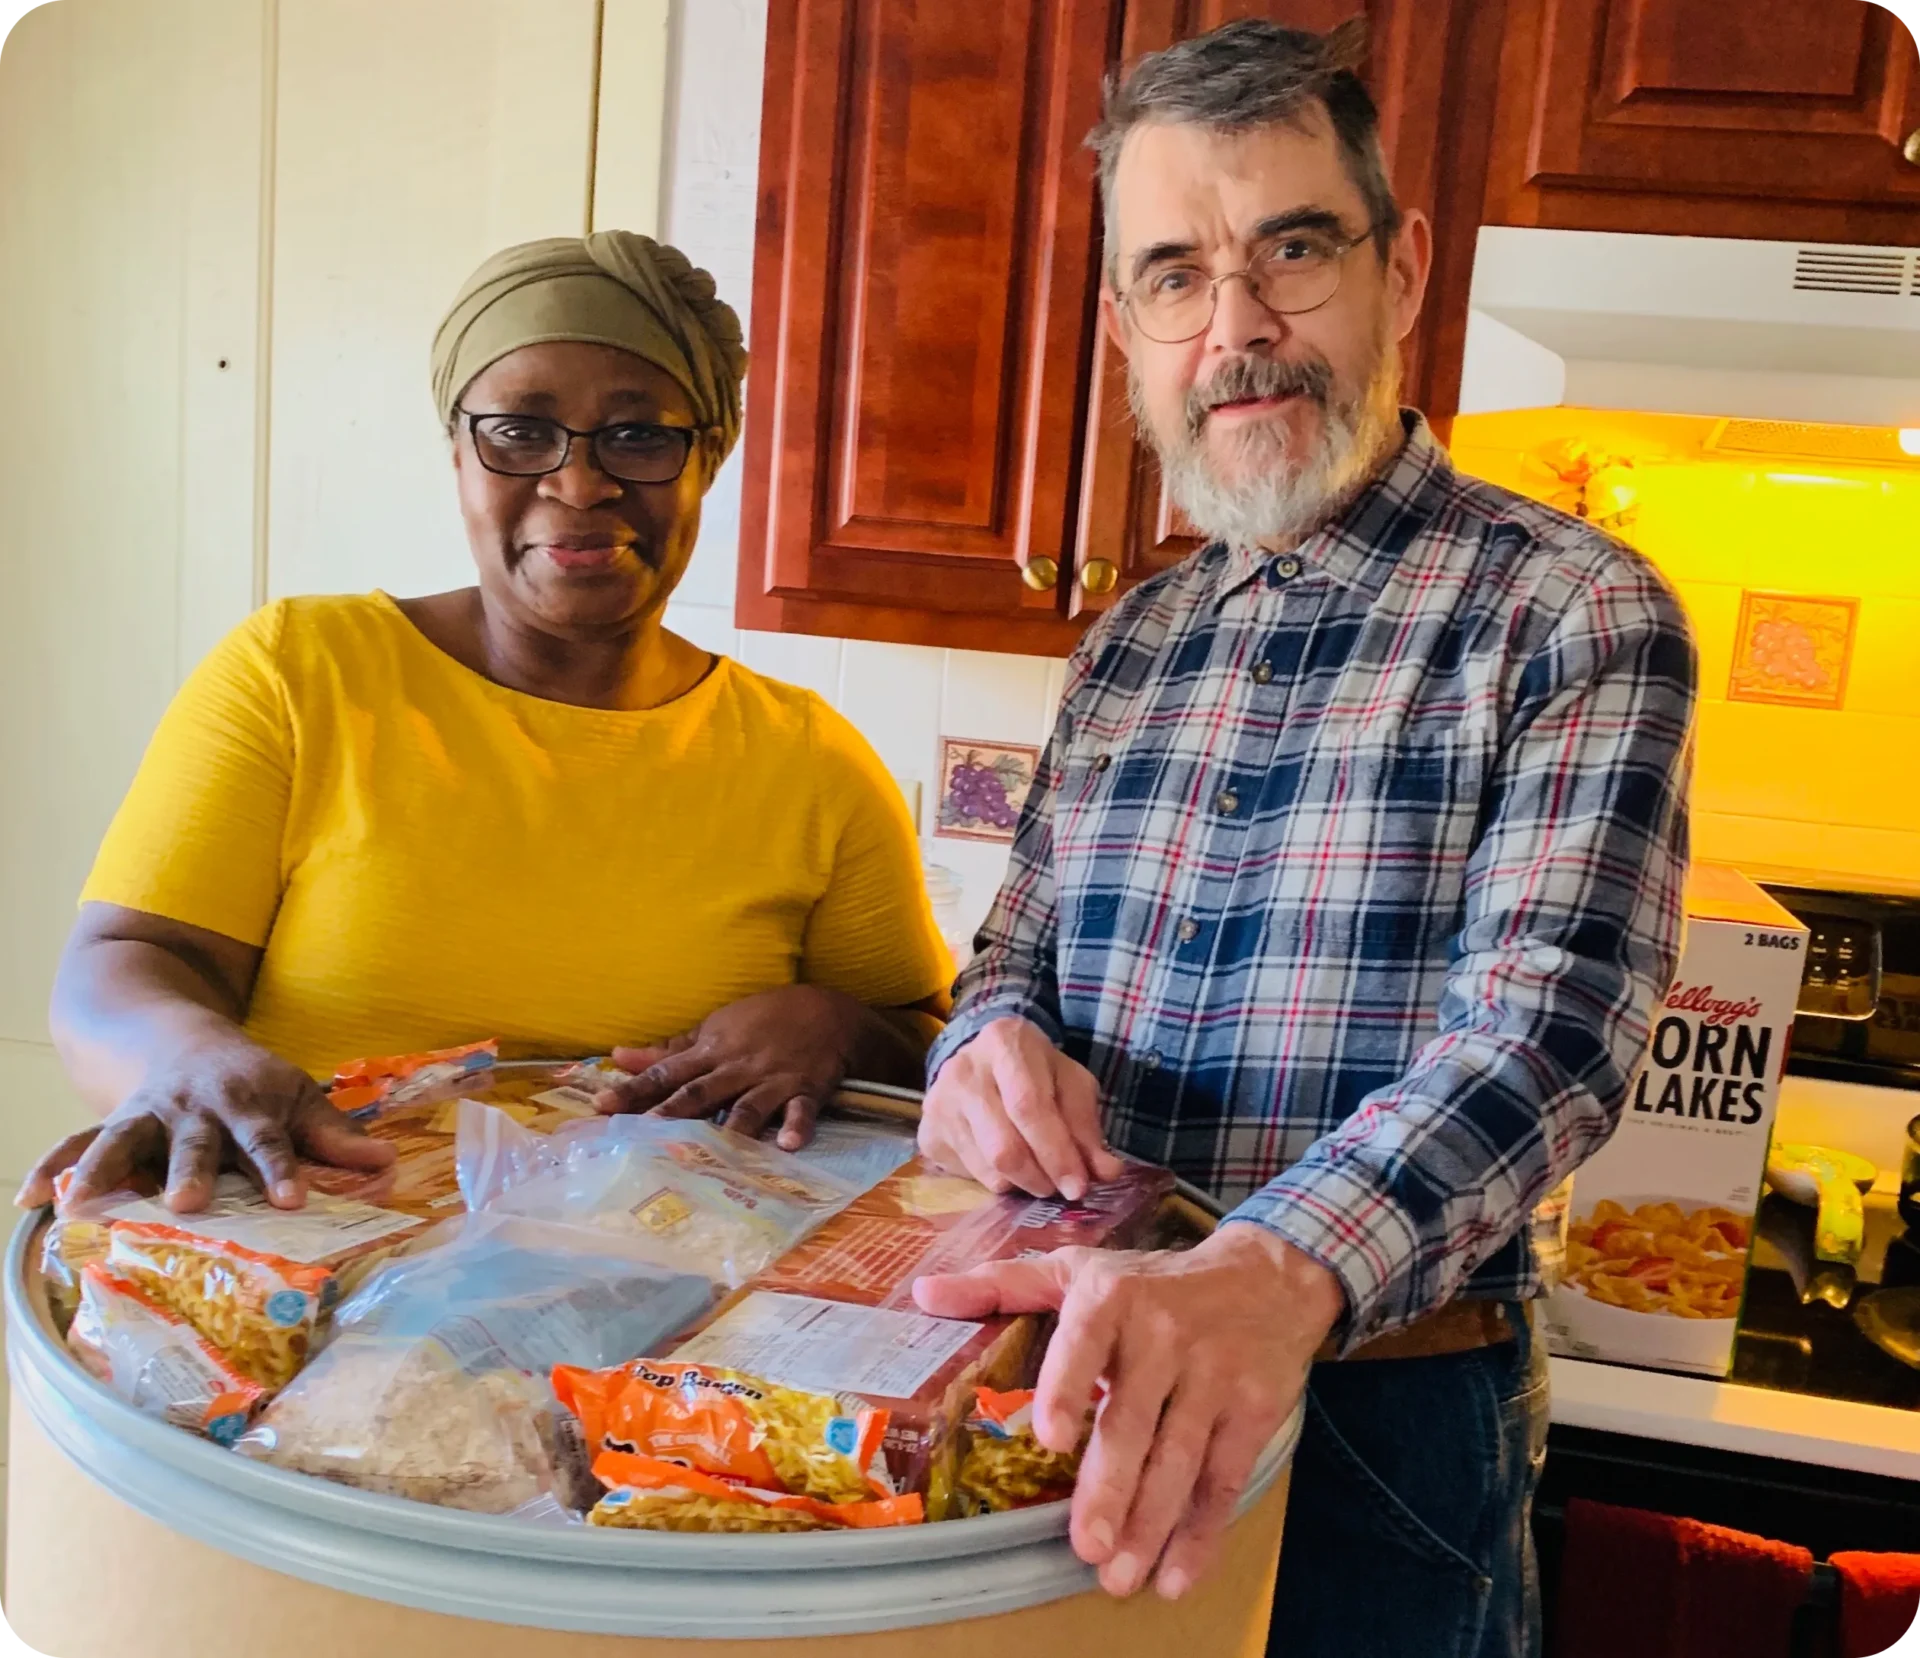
x,y
611,288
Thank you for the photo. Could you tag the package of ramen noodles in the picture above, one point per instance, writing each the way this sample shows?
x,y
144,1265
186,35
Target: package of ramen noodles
x,y
255,1281
1003,1465
400,1079
733,1426
647,1494
156,1360
694,1197
433,1385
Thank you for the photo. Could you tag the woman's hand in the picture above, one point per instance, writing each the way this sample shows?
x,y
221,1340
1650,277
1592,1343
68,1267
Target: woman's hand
x,y
212,1102
781,1053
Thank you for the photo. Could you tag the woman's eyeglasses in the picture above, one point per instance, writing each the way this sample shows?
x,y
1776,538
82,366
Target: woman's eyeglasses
x,y
531,446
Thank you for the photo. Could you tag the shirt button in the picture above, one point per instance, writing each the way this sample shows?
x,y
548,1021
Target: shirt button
x,y
1102,761
1188,930
1150,1060
1228,802
1287,568
1262,673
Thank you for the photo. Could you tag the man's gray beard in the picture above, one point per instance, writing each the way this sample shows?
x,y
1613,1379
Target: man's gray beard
x,y
1283,495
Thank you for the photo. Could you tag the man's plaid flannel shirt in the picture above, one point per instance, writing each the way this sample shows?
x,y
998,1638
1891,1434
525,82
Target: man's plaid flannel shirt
x,y
1353,875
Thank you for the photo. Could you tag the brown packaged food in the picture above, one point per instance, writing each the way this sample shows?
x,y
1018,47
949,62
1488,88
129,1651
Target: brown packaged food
x,y
919,1221
797,1321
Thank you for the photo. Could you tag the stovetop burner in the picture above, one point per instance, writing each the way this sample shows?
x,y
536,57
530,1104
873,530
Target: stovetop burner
x,y
1815,1347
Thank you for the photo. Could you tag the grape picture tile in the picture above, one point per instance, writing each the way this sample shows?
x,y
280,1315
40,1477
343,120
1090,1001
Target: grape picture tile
x,y
982,787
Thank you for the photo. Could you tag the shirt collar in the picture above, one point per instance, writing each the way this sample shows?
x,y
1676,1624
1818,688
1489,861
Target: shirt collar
x,y
1360,547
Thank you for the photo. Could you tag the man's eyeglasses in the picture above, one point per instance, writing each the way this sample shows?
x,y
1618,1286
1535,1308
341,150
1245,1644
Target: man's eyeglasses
x,y
531,446
1295,273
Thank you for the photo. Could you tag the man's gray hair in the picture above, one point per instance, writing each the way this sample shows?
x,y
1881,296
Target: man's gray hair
x,y
1246,75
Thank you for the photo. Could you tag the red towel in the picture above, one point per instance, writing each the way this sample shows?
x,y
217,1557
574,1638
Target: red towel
x,y
1657,1587
1879,1599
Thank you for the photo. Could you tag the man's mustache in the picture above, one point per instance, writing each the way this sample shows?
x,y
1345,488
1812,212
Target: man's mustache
x,y
1246,378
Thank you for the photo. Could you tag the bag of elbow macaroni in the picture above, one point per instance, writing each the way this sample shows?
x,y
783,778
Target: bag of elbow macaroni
x,y
157,1361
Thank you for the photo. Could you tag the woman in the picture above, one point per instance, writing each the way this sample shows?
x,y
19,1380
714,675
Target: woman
x,y
523,809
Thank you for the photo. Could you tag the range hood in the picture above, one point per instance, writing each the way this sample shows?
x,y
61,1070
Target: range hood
x,y
1694,325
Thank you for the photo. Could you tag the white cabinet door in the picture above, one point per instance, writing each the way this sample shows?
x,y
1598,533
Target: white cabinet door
x,y
414,138
130,192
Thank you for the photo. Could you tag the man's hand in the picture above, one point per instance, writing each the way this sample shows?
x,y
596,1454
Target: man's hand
x,y
778,1054
1204,1353
1014,1112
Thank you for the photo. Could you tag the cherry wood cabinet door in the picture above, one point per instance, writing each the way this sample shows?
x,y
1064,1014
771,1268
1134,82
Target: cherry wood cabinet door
x,y
1788,120
1431,69
921,311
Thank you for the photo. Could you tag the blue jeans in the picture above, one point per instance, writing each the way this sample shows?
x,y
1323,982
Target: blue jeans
x,y
1407,1531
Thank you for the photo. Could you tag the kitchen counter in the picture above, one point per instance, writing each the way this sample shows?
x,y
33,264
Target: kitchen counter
x,y
1726,1416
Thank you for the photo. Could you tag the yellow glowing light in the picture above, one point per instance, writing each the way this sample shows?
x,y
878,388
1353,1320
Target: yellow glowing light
x,y
1910,440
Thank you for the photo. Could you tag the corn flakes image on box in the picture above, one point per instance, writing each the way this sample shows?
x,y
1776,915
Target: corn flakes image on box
x,y
1662,1215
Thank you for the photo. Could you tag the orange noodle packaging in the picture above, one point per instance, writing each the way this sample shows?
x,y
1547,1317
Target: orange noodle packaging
x,y
255,1281
157,1361
1004,1465
645,1493
732,1426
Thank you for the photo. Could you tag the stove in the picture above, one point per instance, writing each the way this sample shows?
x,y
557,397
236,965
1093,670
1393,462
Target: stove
x,y
1856,1047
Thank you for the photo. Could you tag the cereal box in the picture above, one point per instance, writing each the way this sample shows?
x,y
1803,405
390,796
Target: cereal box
x,y
1662,1215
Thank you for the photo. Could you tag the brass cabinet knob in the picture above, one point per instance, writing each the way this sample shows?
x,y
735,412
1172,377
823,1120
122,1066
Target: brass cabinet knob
x,y
1911,149
1099,575
1041,574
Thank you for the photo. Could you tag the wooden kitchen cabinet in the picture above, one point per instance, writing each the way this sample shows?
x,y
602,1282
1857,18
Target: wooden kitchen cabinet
x,y
923,285
938,442
1787,120
1429,64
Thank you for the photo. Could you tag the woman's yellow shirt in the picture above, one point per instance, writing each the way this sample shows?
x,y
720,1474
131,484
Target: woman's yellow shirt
x,y
429,858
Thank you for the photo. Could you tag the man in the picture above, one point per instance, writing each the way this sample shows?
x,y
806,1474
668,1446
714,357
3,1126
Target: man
x,y
1346,886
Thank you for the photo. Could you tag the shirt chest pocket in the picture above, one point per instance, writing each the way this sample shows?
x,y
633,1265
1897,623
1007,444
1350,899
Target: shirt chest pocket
x,y
1374,846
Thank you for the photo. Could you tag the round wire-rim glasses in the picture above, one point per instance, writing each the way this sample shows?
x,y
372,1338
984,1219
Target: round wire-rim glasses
x,y
1288,288
654,454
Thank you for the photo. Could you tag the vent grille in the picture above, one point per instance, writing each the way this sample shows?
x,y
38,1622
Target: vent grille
x,y
1887,271
1809,440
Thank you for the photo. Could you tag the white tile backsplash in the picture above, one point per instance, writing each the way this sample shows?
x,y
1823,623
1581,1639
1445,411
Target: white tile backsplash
x,y
892,692
995,698
797,658
708,626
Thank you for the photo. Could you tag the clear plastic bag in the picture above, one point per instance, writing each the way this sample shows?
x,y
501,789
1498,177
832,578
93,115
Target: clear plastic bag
x,y
689,1196
434,1384
861,1151
156,1360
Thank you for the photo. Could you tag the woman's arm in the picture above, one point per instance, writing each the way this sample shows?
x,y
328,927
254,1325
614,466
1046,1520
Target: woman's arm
x,y
146,1016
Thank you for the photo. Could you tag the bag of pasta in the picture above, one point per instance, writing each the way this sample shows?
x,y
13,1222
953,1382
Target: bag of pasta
x,y
732,1426
693,1197
1004,1465
433,1385
254,1280
647,1494
156,1360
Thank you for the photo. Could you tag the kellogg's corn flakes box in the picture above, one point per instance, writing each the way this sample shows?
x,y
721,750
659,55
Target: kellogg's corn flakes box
x,y
1662,1215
